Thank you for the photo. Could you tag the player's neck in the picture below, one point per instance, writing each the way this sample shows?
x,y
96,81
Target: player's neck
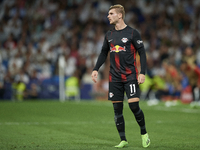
x,y
120,25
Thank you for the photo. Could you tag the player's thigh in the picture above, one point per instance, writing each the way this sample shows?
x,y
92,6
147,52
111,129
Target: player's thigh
x,y
132,90
116,91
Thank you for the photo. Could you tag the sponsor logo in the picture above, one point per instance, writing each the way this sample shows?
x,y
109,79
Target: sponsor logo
x,y
124,40
110,40
139,41
111,94
117,49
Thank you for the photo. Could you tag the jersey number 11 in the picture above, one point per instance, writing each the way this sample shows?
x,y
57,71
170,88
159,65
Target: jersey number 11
x,y
132,88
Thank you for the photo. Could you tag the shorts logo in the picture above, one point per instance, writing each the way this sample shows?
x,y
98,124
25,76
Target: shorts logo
x,y
132,94
111,94
124,40
139,41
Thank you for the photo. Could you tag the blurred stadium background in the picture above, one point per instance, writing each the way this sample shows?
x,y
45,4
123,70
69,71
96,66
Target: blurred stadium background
x,y
34,34
48,49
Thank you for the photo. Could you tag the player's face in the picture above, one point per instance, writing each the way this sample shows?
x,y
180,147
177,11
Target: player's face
x,y
113,16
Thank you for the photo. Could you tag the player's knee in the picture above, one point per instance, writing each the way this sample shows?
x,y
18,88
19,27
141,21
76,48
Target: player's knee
x,y
118,108
118,118
134,107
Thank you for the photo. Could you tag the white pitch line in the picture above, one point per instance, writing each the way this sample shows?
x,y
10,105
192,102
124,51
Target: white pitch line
x,y
163,108
185,110
62,123
53,123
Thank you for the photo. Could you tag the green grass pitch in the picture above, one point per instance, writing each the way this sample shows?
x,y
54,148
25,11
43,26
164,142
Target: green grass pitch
x,y
89,125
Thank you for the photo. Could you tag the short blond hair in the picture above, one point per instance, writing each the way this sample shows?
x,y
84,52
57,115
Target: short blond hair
x,y
119,8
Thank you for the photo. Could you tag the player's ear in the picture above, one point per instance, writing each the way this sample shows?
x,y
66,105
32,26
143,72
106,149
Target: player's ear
x,y
120,15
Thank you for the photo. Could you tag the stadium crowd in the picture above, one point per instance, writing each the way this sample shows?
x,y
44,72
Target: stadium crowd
x,y
34,33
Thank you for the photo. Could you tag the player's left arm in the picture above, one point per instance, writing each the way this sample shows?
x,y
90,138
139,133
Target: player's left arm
x,y
139,46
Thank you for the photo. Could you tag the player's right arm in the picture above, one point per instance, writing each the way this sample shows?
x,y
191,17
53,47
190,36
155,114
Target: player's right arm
x,y
94,76
101,59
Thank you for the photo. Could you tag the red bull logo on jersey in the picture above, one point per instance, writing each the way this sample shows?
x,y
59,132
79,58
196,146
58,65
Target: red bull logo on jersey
x,y
117,49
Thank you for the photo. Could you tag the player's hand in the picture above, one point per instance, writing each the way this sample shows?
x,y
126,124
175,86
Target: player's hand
x,y
141,78
94,76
